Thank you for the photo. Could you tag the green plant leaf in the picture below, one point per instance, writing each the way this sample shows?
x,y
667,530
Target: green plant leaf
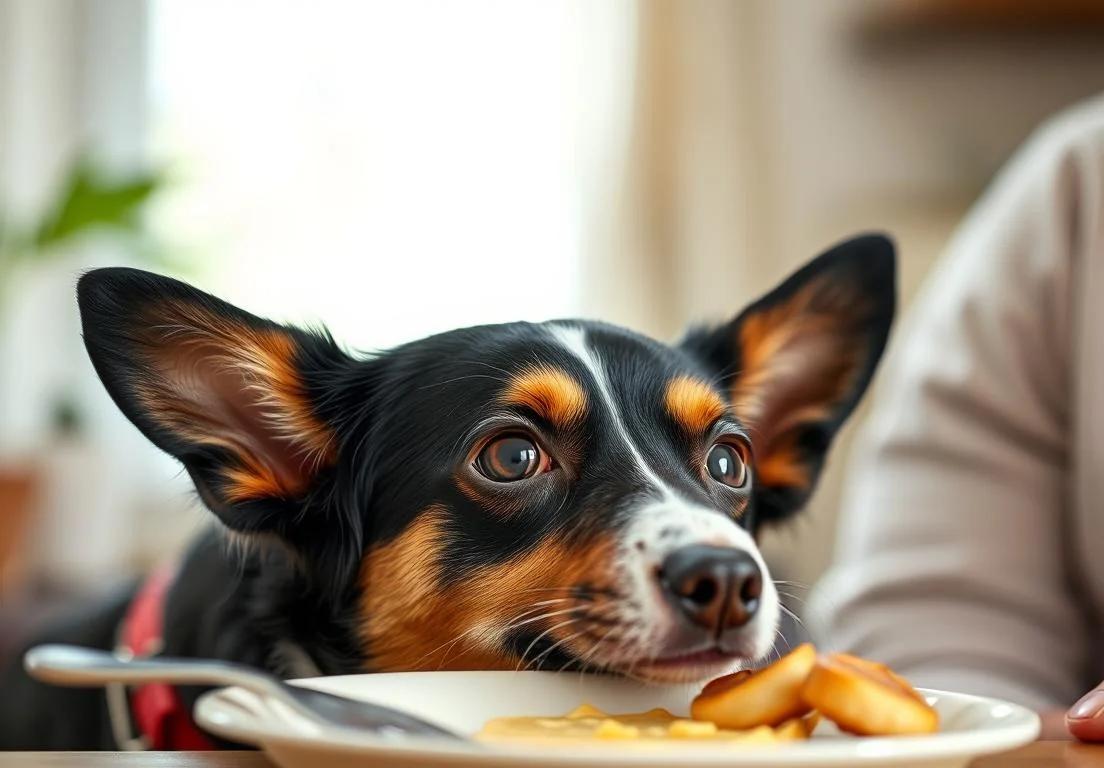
x,y
90,201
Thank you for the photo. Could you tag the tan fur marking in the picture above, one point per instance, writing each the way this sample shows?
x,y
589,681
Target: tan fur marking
x,y
694,404
256,363
412,623
795,354
549,391
256,482
783,468
798,361
763,339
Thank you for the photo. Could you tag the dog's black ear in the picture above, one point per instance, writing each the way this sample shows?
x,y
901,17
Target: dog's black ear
x,y
797,361
234,397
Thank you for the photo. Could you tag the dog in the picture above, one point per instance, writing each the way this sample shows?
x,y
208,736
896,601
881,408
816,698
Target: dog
x,y
566,495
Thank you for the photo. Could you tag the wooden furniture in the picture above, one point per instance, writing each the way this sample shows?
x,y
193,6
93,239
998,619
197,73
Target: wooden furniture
x,y
17,497
922,23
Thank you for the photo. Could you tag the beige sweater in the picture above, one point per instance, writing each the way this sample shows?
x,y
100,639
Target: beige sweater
x,y
971,547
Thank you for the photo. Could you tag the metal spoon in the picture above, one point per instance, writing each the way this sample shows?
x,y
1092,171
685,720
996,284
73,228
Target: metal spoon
x,y
85,667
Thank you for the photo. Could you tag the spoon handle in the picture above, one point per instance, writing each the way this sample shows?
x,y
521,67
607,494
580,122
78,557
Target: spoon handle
x,y
75,666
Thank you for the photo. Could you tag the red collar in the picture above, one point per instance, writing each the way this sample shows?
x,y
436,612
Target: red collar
x,y
156,709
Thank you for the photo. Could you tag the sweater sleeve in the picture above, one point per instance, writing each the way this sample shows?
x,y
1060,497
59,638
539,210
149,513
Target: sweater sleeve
x,y
951,559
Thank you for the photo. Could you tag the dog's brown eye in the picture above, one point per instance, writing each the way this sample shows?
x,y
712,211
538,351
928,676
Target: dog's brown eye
x,y
727,465
511,458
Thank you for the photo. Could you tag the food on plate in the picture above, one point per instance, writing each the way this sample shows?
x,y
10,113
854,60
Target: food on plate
x,y
798,728
866,698
767,696
588,723
781,702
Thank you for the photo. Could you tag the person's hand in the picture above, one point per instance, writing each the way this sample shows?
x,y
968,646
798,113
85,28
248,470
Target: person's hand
x,y
1083,721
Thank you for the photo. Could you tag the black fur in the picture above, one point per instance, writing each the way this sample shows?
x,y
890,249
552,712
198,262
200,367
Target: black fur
x,y
404,424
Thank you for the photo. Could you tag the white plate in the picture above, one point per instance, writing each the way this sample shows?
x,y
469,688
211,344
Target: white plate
x,y
970,726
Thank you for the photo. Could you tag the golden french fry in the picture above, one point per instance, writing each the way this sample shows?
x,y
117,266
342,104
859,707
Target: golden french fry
x,y
867,699
768,696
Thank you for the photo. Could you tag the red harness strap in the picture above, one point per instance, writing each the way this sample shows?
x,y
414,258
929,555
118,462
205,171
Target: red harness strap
x,y
158,712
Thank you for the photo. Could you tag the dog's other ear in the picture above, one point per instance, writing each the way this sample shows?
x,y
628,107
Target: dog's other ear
x,y
234,397
797,361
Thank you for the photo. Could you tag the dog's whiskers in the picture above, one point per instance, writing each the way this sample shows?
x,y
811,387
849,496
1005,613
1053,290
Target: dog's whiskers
x,y
585,658
521,662
447,645
808,614
797,619
798,584
539,618
536,660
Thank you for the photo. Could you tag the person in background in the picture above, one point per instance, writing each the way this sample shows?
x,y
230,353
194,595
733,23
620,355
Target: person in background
x,y
971,543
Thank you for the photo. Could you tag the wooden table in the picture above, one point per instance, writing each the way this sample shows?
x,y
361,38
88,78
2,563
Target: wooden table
x,y
1042,754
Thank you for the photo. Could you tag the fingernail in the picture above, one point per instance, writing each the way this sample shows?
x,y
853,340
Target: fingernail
x,y
1089,707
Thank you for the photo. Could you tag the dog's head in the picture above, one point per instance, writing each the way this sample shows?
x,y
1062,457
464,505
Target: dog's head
x,y
565,494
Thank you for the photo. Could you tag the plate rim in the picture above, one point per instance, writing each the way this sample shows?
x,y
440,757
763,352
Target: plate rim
x,y
868,751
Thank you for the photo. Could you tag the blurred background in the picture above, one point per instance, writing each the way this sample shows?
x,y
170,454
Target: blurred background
x,y
404,167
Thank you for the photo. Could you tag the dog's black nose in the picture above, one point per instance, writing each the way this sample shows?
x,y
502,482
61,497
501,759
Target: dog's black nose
x,y
715,587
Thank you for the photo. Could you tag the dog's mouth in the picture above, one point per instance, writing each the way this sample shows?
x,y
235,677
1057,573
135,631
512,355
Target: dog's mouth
x,y
663,651
681,665
685,667
705,658
632,659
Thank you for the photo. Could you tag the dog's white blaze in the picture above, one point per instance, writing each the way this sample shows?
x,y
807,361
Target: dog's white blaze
x,y
689,523
574,339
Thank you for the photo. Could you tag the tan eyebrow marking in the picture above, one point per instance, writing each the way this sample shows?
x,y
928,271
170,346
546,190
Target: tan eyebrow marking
x,y
693,403
550,392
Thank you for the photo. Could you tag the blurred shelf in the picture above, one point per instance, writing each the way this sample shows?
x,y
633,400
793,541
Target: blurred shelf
x,y
896,25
